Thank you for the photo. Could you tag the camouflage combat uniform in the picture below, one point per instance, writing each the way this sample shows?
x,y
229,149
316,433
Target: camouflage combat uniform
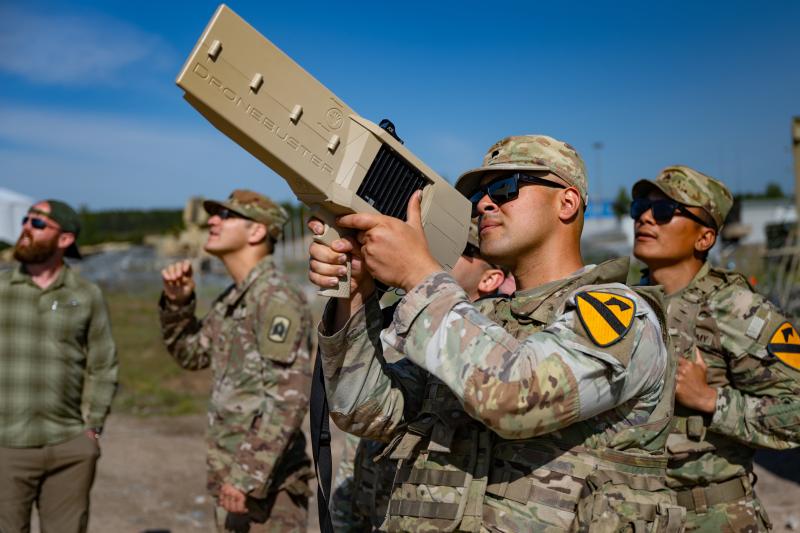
x,y
257,340
758,402
753,355
363,484
515,419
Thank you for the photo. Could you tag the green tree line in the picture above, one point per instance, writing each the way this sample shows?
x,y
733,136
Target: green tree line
x,y
130,225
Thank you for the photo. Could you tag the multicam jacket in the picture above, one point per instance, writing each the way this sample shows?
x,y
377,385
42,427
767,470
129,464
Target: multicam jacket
x,y
516,419
753,355
257,340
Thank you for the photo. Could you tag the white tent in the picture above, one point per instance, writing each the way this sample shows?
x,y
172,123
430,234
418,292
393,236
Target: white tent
x,y
13,207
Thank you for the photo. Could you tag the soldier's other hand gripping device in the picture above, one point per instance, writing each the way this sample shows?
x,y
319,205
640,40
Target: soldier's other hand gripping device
x,y
334,160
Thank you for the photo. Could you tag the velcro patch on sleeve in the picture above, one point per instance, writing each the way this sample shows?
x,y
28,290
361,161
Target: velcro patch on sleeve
x,y
279,329
605,316
785,345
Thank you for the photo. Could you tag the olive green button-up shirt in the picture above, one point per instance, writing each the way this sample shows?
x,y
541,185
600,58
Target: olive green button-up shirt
x,y
58,363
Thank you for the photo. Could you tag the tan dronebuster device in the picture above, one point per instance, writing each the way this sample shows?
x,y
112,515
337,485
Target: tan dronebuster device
x,y
334,160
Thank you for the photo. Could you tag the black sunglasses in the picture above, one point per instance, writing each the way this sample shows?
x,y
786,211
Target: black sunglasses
x,y
663,211
226,213
506,188
36,223
470,250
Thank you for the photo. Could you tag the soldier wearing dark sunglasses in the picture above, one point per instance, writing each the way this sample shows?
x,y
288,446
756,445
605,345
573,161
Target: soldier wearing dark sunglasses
x,y
257,340
499,411
737,385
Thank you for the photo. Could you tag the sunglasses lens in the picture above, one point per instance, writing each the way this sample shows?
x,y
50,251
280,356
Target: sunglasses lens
x,y
638,207
503,190
36,223
663,210
471,251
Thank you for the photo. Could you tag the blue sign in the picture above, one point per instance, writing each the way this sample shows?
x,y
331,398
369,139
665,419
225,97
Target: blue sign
x,y
600,209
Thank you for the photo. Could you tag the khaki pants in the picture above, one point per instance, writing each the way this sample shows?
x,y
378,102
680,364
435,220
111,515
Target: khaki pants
x,y
57,477
280,512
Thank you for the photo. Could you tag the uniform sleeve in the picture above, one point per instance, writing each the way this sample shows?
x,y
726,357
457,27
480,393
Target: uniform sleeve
x,y
526,388
183,334
100,382
761,407
284,337
367,396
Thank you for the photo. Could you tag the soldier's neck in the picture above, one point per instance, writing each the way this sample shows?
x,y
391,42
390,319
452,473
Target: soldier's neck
x,y
675,276
239,264
542,266
44,274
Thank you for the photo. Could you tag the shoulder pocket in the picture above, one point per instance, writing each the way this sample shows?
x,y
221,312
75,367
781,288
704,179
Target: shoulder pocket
x,y
278,334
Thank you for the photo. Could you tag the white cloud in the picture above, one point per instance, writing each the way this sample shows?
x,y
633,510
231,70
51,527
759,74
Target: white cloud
x,y
72,50
106,160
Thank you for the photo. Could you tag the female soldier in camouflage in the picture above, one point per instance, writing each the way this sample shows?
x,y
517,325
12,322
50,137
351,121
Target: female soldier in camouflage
x,y
737,383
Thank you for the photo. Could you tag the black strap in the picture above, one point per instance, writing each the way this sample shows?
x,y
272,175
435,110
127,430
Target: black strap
x,y
321,444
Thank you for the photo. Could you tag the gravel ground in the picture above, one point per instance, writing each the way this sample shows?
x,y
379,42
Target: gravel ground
x,y
152,478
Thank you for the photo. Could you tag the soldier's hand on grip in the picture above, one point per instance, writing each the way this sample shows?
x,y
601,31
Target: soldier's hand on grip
x,y
178,282
327,263
395,252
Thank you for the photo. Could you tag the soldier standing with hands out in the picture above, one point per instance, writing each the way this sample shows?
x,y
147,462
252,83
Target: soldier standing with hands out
x,y
257,340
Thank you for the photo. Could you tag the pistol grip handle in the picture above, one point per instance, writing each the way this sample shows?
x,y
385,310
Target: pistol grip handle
x,y
330,234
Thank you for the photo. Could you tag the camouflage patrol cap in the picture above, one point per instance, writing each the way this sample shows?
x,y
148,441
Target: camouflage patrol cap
x,y
253,206
532,153
691,188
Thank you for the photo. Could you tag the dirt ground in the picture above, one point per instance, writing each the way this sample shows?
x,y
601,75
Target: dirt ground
x,y
152,478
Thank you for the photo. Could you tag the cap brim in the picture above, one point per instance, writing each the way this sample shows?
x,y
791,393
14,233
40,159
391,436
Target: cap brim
x,y
213,206
73,251
642,187
468,182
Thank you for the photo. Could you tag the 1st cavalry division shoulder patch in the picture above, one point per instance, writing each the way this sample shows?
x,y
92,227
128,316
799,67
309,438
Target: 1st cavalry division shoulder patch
x,y
607,317
785,345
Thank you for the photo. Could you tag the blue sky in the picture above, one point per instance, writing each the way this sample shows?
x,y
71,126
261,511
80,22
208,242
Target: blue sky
x,y
89,111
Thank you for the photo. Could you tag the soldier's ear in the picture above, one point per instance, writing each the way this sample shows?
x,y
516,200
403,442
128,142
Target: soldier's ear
x,y
490,281
705,240
569,204
257,233
65,240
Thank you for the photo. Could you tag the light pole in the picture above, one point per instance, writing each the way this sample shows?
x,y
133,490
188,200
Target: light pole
x,y
598,147
796,150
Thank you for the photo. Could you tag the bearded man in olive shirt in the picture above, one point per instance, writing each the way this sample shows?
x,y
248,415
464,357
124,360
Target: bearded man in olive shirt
x,y
58,374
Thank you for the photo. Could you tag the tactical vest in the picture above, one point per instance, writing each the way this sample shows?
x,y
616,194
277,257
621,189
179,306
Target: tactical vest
x,y
373,481
692,324
455,474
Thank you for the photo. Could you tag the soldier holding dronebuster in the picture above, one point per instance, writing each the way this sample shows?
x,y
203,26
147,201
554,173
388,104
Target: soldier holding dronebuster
x,y
363,482
546,410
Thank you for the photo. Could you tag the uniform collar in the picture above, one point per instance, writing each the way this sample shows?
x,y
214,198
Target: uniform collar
x,y
693,286
529,302
266,264
65,277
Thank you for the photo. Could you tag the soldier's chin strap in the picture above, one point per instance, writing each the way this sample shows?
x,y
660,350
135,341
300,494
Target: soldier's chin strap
x,y
321,444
